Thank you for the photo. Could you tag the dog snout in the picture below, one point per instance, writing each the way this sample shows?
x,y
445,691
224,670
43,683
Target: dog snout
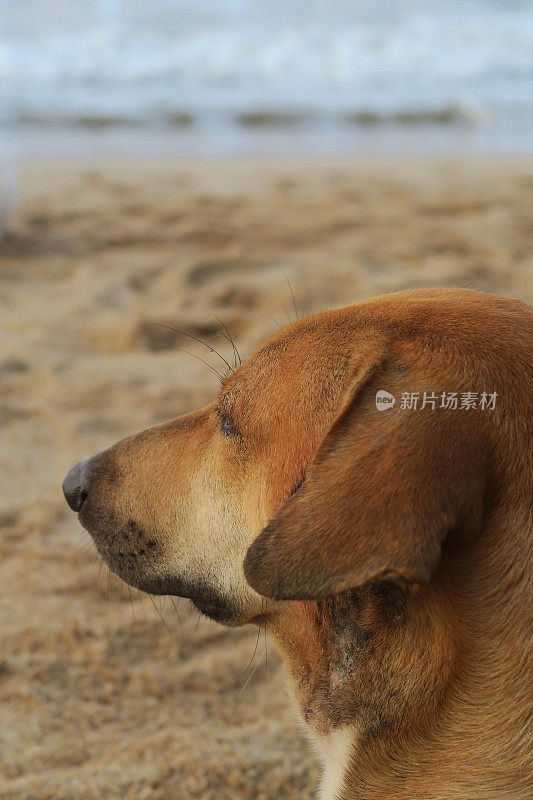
x,y
76,485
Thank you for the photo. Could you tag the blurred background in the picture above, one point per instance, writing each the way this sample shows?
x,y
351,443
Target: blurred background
x,y
229,76
159,163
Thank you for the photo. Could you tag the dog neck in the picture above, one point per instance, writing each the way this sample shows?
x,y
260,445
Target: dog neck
x,y
422,685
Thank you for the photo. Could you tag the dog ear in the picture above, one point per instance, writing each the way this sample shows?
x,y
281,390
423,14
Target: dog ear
x,y
383,491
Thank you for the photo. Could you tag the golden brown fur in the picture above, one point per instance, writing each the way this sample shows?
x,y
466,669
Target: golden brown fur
x,y
389,552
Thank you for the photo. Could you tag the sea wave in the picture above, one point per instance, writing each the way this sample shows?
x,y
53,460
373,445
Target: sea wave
x,y
255,65
255,118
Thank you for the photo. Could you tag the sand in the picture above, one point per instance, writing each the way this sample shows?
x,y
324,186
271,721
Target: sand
x,y
101,698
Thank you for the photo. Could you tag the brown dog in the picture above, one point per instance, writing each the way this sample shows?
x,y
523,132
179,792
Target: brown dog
x,y
392,539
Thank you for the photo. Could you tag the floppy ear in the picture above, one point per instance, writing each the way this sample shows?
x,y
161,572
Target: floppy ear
x,y
385,488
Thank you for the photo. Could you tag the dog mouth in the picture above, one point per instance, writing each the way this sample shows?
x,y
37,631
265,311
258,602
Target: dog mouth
x,y
136,557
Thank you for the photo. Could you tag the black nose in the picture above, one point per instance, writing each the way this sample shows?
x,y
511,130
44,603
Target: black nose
x,y
75,485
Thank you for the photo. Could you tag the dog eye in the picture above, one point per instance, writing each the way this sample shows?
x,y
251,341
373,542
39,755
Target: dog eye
x,y
227,428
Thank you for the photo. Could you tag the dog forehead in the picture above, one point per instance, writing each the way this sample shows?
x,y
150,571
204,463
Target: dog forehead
x,y
421,330
306,354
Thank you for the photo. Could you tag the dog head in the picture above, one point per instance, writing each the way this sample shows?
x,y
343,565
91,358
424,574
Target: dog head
x,y
295,483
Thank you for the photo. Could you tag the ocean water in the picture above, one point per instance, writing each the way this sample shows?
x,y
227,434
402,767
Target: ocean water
x,y
238,75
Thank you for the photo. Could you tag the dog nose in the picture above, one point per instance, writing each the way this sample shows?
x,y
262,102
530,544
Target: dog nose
x,y
75,486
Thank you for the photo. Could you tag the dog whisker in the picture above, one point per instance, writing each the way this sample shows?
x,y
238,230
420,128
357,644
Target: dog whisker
x,y
161,617
171,598
287,313
196,339
131,601
229,337
197,622
266,647
220,377
107,593
273,318
257,639
249,678
291,291
176,609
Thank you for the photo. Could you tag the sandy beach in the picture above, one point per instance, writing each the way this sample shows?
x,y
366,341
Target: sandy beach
x,y
107,693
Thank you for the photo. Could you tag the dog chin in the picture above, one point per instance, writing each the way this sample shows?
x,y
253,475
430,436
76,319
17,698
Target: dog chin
x,y
223,613
209,601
